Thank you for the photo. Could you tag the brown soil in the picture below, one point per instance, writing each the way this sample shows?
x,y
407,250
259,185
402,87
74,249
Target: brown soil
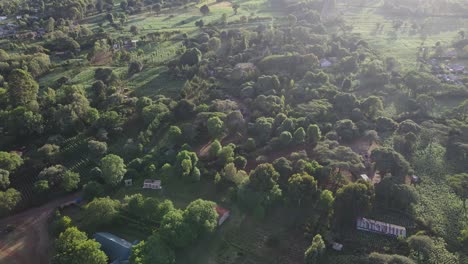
x,y
29,242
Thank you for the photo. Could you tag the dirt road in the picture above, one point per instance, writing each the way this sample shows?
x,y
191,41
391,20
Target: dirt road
x,y
29,242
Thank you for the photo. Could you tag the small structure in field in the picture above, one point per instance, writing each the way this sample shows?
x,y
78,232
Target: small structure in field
x,y
415,179
365,177
369,225
117,249
337,246
223,214
325,63
152,184
128,182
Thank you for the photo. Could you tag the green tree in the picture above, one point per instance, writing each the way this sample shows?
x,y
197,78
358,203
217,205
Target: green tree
x,y
175,231
325,202
421,246
4,179
201,216
100,212
459,184
285,138
97,148
315,254
351,201
299,136
74,247
302,189
10,161
215,149
92,190
235,7
389,161
153,251
204,9
284,167
191,57
8,200
264,177
346,130
186,165
377,258
313,135
70,181
60,224
113,169
22,88
215,127
134,30
372,106
174,135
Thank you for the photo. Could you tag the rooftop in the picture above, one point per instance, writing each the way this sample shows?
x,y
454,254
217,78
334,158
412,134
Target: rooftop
x,y
115,247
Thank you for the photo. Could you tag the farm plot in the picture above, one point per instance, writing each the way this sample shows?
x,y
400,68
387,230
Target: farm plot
x,y
401,42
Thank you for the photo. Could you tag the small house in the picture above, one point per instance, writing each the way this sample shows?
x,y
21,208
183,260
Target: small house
x,y
152,184
325,63
415,179
128,182
223,214
365,177
117,249
337,246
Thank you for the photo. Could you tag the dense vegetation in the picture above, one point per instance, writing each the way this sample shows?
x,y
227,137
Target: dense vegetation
x,y
272,109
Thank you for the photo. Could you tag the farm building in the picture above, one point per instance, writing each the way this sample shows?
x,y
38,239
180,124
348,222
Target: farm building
x,y
152,184
325,63
370,225
223,214
117,249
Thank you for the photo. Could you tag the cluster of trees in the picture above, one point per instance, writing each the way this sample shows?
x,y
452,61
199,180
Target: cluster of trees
x,y
279,126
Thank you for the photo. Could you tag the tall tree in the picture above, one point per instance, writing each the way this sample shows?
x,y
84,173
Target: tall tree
x,y
302,188
459,184
22,88
351,201
315,254
113,169
74,247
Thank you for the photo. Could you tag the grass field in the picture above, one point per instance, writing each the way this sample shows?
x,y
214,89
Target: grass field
x,y
403,44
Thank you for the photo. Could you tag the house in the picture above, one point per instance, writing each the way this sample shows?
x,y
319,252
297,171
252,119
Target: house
x,y
223,214
19,17
3,18
325,63
152,184
370,225
117,249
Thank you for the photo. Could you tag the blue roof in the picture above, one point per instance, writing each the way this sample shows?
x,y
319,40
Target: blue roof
x,y
115,247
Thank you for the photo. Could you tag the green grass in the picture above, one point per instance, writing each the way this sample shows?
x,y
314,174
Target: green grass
x,y
403,44
154,81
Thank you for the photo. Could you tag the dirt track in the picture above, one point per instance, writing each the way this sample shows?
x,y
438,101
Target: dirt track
x,y
29,242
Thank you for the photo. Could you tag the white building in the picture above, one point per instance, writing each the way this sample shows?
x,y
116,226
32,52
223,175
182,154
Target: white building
x,y
152,184
369,225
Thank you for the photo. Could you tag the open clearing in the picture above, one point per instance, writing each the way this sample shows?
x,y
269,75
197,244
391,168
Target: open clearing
x,y
29,242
